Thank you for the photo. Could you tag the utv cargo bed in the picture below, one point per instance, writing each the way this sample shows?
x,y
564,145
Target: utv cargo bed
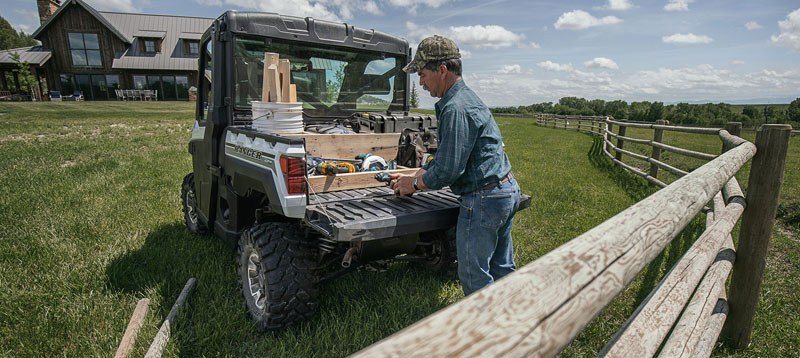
x,y
376,213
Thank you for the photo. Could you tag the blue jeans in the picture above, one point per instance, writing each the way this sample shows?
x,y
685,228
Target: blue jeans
x,y
483,235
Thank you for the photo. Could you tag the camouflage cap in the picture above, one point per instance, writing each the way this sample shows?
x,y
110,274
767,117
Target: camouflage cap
x,y
434,48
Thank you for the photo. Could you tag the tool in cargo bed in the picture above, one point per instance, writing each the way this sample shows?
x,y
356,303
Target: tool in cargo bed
x,y
370,162
383,177
333,168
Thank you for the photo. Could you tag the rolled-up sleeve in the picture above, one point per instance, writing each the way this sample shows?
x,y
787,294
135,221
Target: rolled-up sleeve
x,y
455,145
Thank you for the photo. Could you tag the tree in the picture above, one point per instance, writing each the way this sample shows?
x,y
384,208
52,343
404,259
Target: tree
x,y
617,109
27,81
10,38
655,112
793,112
753,114
414,96
770,114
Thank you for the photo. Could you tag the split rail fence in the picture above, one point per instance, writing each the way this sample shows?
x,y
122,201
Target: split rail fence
x,y
539,309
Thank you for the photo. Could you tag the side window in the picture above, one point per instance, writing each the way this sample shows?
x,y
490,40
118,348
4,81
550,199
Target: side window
x,y
205,95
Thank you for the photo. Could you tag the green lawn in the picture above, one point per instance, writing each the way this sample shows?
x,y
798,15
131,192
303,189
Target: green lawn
x,y
91,222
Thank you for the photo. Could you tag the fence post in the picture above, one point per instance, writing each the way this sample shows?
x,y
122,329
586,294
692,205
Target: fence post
x,y
734,128
609,128
658,136
764,185
620,142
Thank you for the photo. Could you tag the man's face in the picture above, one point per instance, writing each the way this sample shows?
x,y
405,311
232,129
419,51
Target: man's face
x,y
432,81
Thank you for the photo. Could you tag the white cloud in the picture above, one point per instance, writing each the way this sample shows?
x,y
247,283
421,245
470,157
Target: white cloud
x,y
552,66
601,62
534,45
689,38
510,69
703,82
114,5
465,55
492,36
752,25
333,10
413,5
790,31
23,27
737,62
579,20
618,5
372,8
678,5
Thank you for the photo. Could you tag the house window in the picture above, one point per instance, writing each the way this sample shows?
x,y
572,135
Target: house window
x,y
192,48
149,45
169,87
84,49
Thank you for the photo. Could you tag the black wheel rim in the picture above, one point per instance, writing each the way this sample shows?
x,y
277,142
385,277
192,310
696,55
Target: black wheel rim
x,y
191,201
255,279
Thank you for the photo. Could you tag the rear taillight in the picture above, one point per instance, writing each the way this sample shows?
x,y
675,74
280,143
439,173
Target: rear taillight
x,y
294,173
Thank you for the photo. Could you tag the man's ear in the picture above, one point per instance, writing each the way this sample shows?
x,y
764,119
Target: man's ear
x,y
442,69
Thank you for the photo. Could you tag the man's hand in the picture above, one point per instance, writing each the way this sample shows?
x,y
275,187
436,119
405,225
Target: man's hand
x,y
402,184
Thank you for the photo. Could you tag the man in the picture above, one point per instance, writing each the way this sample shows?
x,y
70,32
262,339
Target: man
x,y
470,159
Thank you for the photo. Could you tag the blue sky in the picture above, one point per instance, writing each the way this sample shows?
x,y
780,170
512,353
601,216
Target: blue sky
x,y
522,52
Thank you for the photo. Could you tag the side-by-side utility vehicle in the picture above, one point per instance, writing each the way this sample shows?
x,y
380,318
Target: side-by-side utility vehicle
x,y
305,207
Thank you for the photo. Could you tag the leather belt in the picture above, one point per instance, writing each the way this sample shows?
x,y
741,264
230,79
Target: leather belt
x,y
504,179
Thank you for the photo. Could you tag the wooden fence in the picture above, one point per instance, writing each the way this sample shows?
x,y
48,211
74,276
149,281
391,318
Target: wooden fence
x,y
539,309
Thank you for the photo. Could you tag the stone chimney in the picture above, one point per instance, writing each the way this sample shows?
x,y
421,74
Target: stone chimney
x,y
47,8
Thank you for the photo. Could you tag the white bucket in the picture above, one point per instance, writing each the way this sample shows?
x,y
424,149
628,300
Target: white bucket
x,y
278,117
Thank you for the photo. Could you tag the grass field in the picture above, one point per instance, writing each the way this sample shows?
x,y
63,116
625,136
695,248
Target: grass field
x,y
90,221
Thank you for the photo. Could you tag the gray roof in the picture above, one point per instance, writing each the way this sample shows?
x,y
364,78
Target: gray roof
x,y
34,55
170,28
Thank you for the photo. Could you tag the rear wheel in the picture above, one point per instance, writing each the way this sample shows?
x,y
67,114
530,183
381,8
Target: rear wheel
x,y
441,252
189,200
278,275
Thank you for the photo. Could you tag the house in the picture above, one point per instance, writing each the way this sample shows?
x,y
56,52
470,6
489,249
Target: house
x,y
96,52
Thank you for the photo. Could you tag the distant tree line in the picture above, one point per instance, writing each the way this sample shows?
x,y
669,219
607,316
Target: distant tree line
x,y
709,114
10,38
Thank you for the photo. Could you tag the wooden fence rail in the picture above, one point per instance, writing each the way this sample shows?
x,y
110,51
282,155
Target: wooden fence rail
x,y
539,309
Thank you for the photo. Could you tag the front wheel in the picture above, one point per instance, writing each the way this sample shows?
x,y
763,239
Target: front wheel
x,y
278,275
189,201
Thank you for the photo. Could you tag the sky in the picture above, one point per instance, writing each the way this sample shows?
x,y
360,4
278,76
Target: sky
x,y
522,52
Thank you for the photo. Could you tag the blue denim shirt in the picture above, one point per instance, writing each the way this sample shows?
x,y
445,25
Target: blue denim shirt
x,y
470,153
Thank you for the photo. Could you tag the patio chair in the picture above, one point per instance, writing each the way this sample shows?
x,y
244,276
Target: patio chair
x,y
146,95
155,95
78,95
55,96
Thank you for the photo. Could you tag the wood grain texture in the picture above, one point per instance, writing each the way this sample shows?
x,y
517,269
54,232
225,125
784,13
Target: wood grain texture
x,y
136,321
347,181
764,185
690,328
347,146
693,322
284,74
538,309
162,337
646,329
710,335
292,93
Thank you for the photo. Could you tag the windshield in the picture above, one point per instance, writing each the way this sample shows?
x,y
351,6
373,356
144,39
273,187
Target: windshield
x,y
331,81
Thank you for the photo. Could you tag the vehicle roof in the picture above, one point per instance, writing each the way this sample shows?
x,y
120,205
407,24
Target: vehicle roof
x,y
314,31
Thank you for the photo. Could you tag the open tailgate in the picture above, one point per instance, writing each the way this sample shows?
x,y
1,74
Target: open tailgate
x,y
376,213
